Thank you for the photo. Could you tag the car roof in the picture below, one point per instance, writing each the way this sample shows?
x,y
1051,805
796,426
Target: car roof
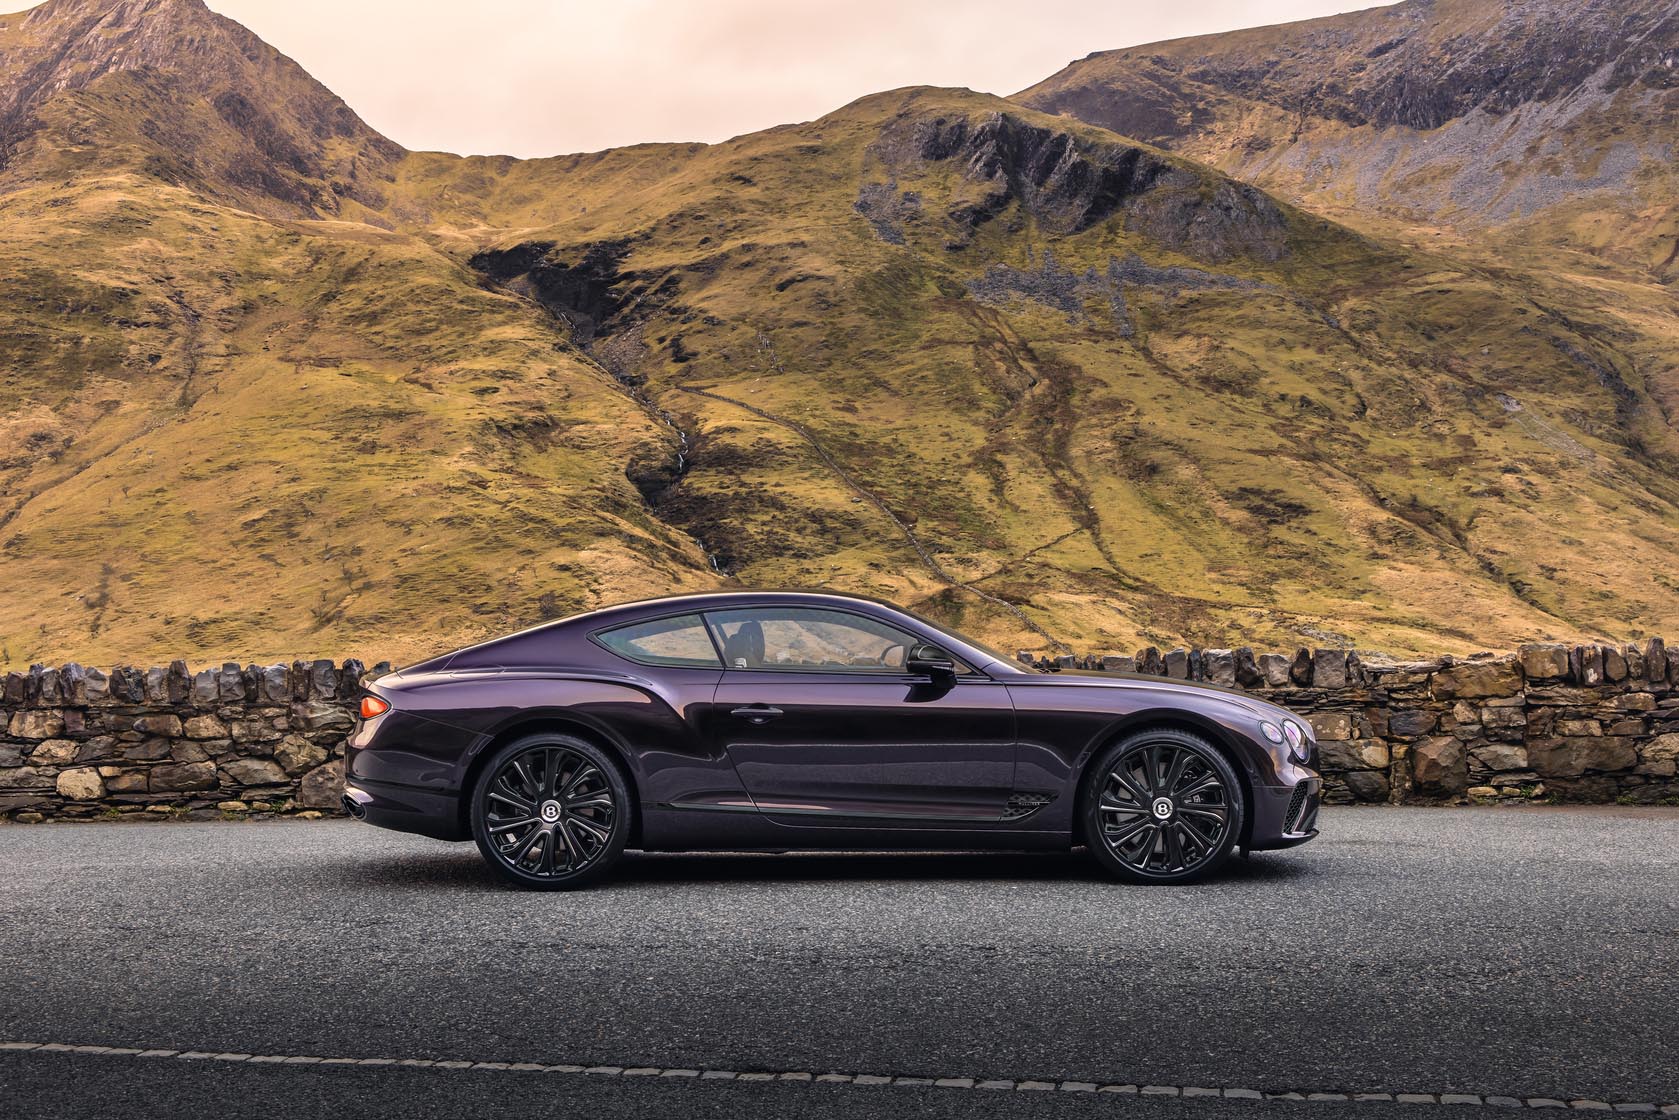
x,y
591,621
704,599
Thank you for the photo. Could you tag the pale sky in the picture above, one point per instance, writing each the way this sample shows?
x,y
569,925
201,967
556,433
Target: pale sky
x,y
546,77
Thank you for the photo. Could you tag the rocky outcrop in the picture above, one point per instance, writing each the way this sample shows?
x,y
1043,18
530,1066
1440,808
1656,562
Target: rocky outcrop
x,y
1069,183
1414,65
582,285
1097,294
157,72
1477,111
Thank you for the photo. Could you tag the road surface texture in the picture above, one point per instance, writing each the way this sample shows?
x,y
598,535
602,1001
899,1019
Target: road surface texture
x,y
1488,959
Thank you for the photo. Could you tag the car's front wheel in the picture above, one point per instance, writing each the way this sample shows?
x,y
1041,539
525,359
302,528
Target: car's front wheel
x,y
1162,806
550,812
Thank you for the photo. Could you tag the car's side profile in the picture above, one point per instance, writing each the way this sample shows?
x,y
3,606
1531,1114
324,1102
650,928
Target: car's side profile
x,y
784,720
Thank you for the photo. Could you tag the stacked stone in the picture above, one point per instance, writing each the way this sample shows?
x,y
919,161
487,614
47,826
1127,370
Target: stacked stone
x,y
1571,722
1607,726
1554,721
78,742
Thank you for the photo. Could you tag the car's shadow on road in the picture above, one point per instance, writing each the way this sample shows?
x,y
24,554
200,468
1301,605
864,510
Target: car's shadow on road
x,y
1071,867
461,869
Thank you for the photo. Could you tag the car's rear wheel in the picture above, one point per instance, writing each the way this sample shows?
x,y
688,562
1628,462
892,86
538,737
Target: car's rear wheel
x,y
1162,806
550,812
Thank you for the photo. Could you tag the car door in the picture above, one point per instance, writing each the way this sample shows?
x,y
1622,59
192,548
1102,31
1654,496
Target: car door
x,y
825,726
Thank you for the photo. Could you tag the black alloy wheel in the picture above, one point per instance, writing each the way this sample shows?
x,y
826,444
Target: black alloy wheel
x,y
1162,806
550,812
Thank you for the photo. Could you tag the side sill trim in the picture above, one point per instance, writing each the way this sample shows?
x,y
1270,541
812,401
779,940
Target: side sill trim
x,y
830,814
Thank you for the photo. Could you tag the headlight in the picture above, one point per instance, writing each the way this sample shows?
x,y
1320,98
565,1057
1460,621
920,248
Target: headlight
x,y
1271,730
1296,736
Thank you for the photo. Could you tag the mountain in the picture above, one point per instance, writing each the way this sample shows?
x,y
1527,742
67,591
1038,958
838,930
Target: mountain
x,y
190,98
1056,385
1554,117
239,414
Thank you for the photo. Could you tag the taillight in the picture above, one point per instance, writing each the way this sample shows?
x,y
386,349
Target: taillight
x,y
373,706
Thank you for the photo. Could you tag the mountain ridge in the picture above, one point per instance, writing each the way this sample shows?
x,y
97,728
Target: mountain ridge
x,y
1472,113
1042,380
305,161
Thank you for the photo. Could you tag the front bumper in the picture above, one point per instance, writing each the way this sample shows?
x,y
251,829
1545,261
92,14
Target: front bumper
x,y
1284,816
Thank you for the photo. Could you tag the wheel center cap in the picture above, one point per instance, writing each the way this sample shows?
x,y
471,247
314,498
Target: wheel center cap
x,y
550,811
1162,808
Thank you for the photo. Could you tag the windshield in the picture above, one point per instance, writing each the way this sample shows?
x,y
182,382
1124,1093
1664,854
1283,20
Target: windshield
x,y
1006,659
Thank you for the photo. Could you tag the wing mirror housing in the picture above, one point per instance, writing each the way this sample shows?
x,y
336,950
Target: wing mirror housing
x,y
930,661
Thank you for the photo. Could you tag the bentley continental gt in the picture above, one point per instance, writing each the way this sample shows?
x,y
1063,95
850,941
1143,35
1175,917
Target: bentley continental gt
x,y
790,720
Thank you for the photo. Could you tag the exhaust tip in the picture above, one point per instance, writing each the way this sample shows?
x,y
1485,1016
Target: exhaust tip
x,y
354,808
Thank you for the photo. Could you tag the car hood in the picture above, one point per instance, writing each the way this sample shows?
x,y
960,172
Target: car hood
x,y
1235,697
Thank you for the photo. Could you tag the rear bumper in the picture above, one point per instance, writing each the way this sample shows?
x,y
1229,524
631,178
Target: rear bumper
x,y
400,773
405,809
1284,816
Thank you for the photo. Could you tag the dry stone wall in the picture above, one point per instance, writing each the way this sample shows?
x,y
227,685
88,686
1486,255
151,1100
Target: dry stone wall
x,y
1551,721
78,742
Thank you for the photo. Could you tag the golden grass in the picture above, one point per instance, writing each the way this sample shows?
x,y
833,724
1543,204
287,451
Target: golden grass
x,y
268,436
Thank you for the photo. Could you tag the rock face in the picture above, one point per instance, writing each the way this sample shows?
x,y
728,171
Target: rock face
x,y
281,141
1435,108
583,285
1071,184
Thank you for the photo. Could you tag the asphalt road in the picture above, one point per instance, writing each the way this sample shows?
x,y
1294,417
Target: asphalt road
x,y
1517,952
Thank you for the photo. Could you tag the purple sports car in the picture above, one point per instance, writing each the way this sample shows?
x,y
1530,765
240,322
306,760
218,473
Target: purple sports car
x,y
780,720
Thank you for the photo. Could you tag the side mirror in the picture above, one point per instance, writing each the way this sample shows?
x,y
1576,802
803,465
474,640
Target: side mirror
x,y
930,661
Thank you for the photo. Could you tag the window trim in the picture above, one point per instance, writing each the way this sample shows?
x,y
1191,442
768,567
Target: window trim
x,y
969,672
597,637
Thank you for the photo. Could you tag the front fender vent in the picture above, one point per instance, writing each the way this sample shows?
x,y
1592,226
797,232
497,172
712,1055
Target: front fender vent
x,y
1025,804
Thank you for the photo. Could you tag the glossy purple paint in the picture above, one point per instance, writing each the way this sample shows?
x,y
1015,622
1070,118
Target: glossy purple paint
x,y
881,759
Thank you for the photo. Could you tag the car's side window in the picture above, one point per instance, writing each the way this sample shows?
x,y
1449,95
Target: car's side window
x,y
809,639
679,641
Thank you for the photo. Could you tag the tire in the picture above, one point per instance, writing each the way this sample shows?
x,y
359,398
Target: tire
x,y
551,812
1161,806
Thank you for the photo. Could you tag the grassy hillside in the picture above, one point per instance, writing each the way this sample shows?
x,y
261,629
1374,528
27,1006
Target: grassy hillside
x,y
1047,383
1188,413
231,436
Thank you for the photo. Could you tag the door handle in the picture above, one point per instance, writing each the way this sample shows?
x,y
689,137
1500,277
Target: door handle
x,y
757,713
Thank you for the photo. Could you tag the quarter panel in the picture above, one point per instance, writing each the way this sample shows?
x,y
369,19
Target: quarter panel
x,y
1062,725
659,722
